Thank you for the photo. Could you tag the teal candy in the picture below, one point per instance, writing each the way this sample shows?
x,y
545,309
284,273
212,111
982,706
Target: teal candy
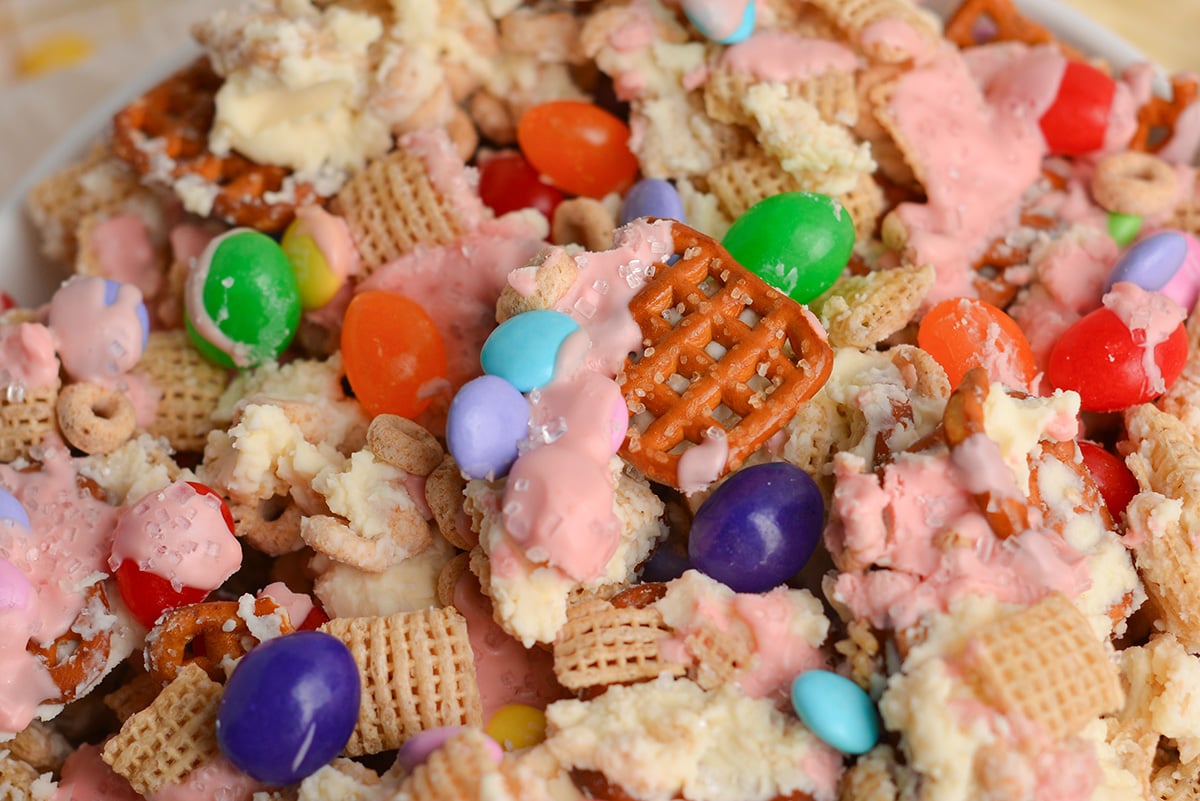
x,y
251,293
1123,228
798,242
836,710
524,348
744,29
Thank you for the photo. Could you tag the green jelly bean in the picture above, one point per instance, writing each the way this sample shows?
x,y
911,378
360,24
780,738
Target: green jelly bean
x,y
1123,228
798,242
251,295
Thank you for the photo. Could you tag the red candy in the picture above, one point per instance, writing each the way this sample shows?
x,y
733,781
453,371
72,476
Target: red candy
x,y
225,513
507,183
393,353
148,595
961,333
580,147
1101,359
1115,481
1077,120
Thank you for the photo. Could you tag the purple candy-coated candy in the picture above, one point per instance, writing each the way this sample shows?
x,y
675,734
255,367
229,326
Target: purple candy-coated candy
x,y
111,288
416,749
1151,262
486,420
14,587
1184,286
289,707
651,197
759,528
667,563
11,508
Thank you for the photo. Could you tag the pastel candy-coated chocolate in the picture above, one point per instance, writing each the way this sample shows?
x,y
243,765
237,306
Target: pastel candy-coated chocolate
x,y
316,283
652,197
798,242
487,419
1123,228
12,509
517,726
15,588
523,349
111,288
289,707
758,528
417,749
1184,286
836,710
1151,262
250,292
702,14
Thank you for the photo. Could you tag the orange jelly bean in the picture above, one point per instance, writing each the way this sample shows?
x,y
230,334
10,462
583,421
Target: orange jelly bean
x,y
961,333
393,353
579,147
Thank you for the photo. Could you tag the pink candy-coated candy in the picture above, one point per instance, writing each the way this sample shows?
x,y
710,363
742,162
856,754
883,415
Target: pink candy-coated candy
x,y
418,747
1184,286
620,424
14,587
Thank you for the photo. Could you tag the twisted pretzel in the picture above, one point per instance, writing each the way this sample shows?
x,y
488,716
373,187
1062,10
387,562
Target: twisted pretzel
x,y
77,663
216,625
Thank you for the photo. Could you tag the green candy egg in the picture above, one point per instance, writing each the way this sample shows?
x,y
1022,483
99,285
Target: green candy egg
x,y
798,242
244,285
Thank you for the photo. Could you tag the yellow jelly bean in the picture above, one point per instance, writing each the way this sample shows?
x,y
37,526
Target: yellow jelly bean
x,y
55,52
517,726
318,284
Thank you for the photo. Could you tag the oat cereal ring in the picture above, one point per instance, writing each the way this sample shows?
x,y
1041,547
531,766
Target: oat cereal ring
x,y
217,624
585,221
1135,183
462,133
93,418
444,495
448,578
77,664
271,525
408,534
404,444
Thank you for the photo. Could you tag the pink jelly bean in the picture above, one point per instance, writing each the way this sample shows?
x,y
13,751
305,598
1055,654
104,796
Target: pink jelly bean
x,y
14,587
416,749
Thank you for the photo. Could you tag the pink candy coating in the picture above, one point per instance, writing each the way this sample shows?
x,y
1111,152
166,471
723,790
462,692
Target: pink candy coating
x,y
1184,286
418,747
620,424
14,587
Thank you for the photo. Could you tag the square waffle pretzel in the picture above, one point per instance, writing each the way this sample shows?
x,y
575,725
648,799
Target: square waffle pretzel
x,y
601,644
417,671
773,356
1045,664
26,418
165,742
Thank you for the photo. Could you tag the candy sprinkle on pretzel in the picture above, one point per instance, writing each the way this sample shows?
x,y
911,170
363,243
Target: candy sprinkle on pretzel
x,y
747,354
166,129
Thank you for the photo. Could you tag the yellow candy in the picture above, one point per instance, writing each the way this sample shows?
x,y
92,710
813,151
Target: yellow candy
x,y
517,726
55,52
318,284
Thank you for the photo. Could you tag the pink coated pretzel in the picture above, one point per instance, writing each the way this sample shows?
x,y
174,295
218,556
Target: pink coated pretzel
x,y
766,370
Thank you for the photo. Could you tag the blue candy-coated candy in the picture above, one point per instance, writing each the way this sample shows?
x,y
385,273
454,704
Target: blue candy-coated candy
x,y
487,419
758,528
665,564
836,710
523,349
652,197
1150,263
289,707
694,12
12,509
1123,228
111,288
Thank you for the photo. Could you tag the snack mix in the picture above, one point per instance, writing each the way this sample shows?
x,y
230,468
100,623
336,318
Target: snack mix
x,y
717,400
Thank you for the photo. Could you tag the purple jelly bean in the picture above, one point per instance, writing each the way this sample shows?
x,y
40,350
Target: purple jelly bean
x,y
486,421
416,749
12,509
15,588
1151,262
652,197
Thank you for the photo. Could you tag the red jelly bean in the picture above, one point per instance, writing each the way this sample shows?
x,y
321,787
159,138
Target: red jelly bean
x,y
1114,480
148,595
393,353
962,333
507,183
1102,359
580,147
1077,120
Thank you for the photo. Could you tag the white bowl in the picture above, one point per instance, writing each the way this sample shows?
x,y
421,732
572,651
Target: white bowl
x,y
30,278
